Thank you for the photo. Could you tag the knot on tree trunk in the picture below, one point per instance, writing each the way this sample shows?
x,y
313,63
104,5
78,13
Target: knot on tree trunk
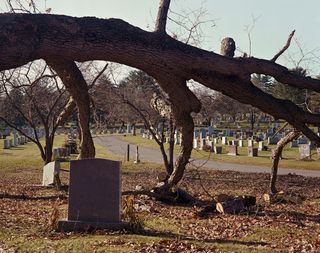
x,y
228,46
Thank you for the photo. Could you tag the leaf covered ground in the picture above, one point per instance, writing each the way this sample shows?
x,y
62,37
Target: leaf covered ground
x,y
28,214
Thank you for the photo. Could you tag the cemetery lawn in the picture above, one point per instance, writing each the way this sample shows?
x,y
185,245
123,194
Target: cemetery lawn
x,y
28,213
289,155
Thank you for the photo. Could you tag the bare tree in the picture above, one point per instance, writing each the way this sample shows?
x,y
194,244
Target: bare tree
x,y
33,93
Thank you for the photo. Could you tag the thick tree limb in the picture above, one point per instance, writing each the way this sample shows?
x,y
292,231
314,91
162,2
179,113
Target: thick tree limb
x,y
74,82
25,37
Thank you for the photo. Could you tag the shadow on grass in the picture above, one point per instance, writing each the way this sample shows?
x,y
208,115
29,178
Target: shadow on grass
x,y
170,235
297,217
26,197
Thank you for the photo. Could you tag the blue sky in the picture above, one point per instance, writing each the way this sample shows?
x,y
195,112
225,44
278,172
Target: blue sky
x,y
275,20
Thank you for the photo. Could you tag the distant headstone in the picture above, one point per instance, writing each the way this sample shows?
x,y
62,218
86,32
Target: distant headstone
x,y
94,195
304,151
272,141
224,140
15,136
250,143
49,172
233,150
195,143
129,129
210,144
203,132
260,147
302,141
215,141
202,142
252,152
235,142
55,154
210,130
6,144
294,144
241,144
217,150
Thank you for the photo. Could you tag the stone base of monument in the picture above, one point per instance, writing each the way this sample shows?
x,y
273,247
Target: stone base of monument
x,y
87,226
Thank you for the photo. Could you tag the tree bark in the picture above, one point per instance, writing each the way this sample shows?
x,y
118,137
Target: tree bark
x,y
183,102
73,79
276,157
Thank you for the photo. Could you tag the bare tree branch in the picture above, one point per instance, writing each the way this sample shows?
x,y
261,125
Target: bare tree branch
x,y
286,46
162,16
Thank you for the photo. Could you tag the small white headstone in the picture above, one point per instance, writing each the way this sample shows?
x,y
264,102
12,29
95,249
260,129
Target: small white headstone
x,y
195,143
49,171
224,140
260,148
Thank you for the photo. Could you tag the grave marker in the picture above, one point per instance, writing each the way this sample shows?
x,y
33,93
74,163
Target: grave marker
x,y
304,151
218,150
94,195
49,172
6,144
233,150
252,152
260,148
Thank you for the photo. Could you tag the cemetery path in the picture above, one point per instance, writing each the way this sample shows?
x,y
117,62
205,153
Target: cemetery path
x,y
118,146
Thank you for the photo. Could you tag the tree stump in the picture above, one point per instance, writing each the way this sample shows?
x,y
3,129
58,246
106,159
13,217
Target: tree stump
x,y
236,205
284,198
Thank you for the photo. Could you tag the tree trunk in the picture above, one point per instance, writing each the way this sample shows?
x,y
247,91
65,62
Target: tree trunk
x,y
187,128
184,102
276,157
171,145
48,151
78,88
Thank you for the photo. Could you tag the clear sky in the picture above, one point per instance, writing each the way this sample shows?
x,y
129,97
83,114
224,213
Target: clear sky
x,y
275,19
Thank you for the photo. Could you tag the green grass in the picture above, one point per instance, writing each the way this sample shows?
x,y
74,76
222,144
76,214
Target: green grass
x,y
289,154
28,156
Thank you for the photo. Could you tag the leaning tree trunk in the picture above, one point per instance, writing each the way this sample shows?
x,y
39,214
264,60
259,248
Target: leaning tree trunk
x,y
276,157
187,128
73,79
184,102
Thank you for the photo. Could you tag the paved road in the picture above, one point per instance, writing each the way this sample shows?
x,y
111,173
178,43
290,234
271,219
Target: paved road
x,y
118,146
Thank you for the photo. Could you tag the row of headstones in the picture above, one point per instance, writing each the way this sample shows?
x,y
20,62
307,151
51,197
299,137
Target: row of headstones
x,y
177,137
59,153
302,143
17,140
